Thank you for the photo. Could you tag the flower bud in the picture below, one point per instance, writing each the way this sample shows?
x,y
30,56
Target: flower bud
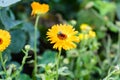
x,y
27,47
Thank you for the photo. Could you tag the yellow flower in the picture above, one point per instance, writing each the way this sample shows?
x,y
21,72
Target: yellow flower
x,y
38,8
92,34
86,36
63,36
5,39
84,27
83,36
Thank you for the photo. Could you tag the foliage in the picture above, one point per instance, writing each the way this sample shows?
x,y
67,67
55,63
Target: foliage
x,y
95,58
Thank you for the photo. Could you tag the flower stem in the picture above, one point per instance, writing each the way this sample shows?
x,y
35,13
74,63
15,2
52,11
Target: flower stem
x,y
17,73
77,68
108,76
35,47
57,66
23,61
3,65
116,59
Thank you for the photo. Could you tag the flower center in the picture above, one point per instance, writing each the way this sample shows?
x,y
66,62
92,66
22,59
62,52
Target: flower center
x,y
61,36
1,41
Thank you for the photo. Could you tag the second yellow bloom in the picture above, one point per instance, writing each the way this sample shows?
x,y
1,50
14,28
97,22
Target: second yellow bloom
x,y
38,8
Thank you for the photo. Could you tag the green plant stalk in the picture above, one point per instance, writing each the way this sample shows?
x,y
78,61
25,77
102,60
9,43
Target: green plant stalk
x,y
35,47
77,68
72,64
3,65
23,61
110,74
108,48
21,67
116,59
57,64
46,75
118,51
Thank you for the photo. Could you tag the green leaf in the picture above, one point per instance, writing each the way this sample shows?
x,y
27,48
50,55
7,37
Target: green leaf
x,y
104,7
24,77
29,29
5,3
18,40
7,54
112,27
1,25
100,34
48,57
64,71
92,18
118,11
6,20
2,72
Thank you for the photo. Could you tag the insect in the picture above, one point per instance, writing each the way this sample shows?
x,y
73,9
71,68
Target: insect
x,y
5,3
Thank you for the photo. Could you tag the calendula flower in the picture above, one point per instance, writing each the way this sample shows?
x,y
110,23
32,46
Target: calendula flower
x,y
63,36
83,36
92,34
5,39
85,27
38,8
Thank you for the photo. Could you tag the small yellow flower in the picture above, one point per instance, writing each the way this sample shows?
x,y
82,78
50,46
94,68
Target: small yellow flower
x,y
83,36
63,36
85,27
38,8
92,34
5,39
86,36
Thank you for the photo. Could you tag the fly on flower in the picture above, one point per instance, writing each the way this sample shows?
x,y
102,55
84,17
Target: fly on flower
x,y
63,36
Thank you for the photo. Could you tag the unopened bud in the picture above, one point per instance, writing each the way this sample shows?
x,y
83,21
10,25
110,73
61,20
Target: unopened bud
x,y
66,61
27,47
